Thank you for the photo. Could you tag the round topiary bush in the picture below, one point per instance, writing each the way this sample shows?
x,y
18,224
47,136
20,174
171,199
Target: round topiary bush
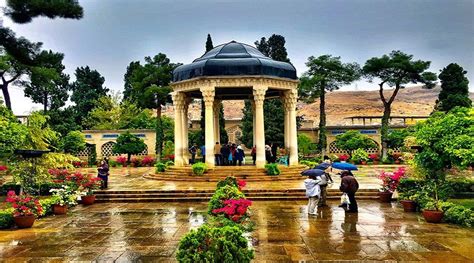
x,y
214,244
199,168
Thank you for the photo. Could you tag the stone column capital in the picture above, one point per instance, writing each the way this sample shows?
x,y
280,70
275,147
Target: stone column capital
x,y
208,93
259,95
178,100
290,97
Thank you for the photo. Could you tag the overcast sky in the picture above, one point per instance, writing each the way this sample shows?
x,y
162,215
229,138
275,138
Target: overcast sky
x,y
115,32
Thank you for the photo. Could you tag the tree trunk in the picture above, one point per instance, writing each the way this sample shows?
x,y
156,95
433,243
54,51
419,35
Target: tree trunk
x,y
6,96
45,102
384,129
129,156
322,123
159,134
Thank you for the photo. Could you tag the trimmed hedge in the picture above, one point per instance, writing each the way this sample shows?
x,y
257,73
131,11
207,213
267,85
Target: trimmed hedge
x,y
272,169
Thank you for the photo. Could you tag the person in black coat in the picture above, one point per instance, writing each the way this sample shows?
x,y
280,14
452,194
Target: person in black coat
x,y
225,154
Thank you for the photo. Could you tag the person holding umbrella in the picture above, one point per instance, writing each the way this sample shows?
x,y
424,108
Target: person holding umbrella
x,y
349,185
313,190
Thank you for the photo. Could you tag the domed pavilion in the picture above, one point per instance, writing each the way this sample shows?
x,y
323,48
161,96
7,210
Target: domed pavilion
x,y
233,71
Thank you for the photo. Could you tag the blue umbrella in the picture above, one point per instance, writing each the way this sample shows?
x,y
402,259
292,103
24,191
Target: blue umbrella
x,y
314,172
322,166
344,166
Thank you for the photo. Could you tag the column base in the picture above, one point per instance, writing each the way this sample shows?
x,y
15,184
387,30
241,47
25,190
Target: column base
x,y
260,164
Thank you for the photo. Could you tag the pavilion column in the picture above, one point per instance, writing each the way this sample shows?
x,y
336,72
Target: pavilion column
x,y
185,128
217,132
253,126
208,93
290,106
286,125
178,102
259,128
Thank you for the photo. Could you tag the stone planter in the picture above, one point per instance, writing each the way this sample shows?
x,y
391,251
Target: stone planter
x,y
433,216
375,162
88,199
24,221
408,205
385,197
363,162
60,209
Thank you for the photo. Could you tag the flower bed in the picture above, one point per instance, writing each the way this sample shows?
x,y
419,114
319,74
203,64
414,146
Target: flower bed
x,y
222,238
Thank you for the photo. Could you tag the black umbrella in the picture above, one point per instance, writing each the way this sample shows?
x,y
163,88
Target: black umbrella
x,y
322,166
313,172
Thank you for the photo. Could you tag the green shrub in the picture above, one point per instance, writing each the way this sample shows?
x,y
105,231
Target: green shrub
x,y
199,168
160,167
214,244
169,163
457,214
6,218
224,193
47,205
359,155
272,169
229,180
310,164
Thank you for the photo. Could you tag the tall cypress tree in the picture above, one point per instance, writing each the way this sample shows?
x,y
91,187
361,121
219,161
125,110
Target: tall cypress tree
x,y
273,109
223,133
454,88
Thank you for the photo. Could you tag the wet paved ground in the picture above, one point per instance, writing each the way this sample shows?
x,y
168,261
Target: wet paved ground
x,y
150,232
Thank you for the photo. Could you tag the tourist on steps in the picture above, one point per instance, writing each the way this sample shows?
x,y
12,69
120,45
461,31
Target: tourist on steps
x,y
239,155
203,153
225,154
254,154
349,185
193,151
312,192
103,173
217,153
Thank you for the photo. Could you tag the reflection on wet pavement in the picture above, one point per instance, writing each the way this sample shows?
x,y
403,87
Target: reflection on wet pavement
x,y
284,232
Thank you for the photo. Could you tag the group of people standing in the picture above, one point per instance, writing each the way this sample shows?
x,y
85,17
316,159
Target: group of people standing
x,y
225,154
316,191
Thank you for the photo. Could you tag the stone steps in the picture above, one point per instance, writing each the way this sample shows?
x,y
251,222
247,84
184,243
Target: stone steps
x,y
205,195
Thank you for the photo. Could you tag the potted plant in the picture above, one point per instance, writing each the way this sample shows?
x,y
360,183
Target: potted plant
x,y
26,209
66,196
431,208
87,185
408,201
390,181
343,158
374,158
396,157
360,156
122,160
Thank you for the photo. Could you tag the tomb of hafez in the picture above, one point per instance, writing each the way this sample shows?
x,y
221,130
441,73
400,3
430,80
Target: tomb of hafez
x,y
234,71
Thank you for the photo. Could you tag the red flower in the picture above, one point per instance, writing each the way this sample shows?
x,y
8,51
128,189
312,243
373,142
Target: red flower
x,y
343,157
3,168
241,184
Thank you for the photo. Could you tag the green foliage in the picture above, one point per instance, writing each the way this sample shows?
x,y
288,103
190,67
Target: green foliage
x,y
168,149
40,135
86,91
396,138
442,149
395,69
229,180
48,204
48,84
457,214
199,168
325,73
310,164
224,193
12,134
359,155
64,120
272,169
160,167
305,145
353,140
23,11
274,47
454,88
214,244
129,144
73,142
6,218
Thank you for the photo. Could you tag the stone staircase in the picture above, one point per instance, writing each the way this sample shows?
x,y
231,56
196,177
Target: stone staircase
x,y
195,195
249,173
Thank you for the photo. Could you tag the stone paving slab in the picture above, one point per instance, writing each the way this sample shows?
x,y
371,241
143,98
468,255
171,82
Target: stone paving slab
x,y
150,232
